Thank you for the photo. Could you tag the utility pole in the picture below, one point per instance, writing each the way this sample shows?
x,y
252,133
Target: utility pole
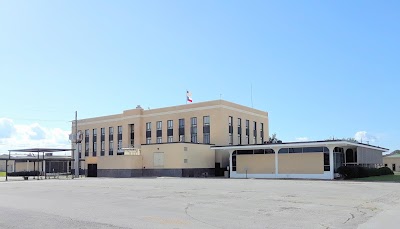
x,y
76,152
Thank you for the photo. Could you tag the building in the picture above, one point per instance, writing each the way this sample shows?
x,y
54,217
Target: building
x,y
392,162
170,141
307,160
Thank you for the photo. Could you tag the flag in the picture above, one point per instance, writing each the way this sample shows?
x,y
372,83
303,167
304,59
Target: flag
x,y
189,96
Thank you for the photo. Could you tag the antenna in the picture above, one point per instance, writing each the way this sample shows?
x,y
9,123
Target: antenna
x,y
251,94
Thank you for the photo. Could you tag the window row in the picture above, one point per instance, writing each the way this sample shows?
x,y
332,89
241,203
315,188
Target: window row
x,y
247,132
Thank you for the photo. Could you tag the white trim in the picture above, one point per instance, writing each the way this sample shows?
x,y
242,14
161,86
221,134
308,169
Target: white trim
x,y
83,122
324,176
299,144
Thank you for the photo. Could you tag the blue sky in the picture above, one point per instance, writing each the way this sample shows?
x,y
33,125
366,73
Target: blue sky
x,y
320,68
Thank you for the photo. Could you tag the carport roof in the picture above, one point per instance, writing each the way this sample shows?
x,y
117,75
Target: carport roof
x,y
339,143
40,150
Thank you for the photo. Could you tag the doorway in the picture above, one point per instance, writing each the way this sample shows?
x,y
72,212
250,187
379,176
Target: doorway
x,y
92,170
394,167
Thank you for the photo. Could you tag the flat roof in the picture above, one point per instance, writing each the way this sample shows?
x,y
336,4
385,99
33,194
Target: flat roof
x,y
302,144
40,150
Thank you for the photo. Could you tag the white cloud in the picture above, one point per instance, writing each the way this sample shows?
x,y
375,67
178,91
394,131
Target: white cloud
x,y
302,139
14,136
363,136
6,128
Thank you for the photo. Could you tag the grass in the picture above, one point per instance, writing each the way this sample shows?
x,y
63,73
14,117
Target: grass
x,y
2,174
391,178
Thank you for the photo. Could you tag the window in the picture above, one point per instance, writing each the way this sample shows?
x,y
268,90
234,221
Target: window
x,y
111,130
80,150
132,137
206,129
170,124
148,126
119,129
94,149
239,131
262,133
103,131
86,133
255,133
86,149
102,148
111,148
120,151
119,145
94,142
234,161
159,132
230,130
170,131
182,130
148,132
193,129
247,131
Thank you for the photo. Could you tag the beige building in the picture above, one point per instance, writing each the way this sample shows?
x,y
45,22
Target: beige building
x,y
392,162
170,141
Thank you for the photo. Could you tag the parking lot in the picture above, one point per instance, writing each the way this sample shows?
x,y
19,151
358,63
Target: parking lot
x,y
197,203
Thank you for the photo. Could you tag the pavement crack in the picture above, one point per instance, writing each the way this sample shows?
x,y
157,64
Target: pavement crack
x,y
186,211
350,218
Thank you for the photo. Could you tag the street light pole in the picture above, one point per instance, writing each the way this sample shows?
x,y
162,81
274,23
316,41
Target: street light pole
x,y
76,153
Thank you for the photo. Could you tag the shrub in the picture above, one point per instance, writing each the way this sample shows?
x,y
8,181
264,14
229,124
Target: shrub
x,y
385,171
350,172
23,174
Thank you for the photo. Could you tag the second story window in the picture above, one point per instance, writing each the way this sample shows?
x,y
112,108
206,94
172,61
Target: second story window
x,y
148,133
193,129
170,131
262,132
247,132
255,133
239,131
230,130
132,136
206,129
111,148
86,149
182,130
159,132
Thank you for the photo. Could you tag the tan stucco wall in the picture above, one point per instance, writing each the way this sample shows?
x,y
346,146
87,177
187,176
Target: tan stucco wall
x,y
199,156
301,163
255,164
390,161
218,110
120,162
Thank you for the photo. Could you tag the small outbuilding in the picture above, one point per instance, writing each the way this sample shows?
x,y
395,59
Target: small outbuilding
x,y
307,160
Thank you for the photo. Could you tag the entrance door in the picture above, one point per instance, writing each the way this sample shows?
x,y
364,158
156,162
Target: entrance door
x,y
92,170
394,167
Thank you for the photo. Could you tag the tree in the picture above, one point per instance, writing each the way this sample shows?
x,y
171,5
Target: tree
x,y
274,139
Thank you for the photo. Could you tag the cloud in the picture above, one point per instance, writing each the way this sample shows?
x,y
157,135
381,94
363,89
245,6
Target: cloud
x,y
363,136
302,139
6,128
34,135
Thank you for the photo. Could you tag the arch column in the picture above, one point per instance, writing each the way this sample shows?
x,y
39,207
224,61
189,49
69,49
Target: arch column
x,y
276,150
331,162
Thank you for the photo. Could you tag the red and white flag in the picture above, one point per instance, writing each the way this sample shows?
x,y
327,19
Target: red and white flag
x,y
189,96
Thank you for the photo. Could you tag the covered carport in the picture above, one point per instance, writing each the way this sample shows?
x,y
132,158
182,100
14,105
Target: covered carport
x,y
42,160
